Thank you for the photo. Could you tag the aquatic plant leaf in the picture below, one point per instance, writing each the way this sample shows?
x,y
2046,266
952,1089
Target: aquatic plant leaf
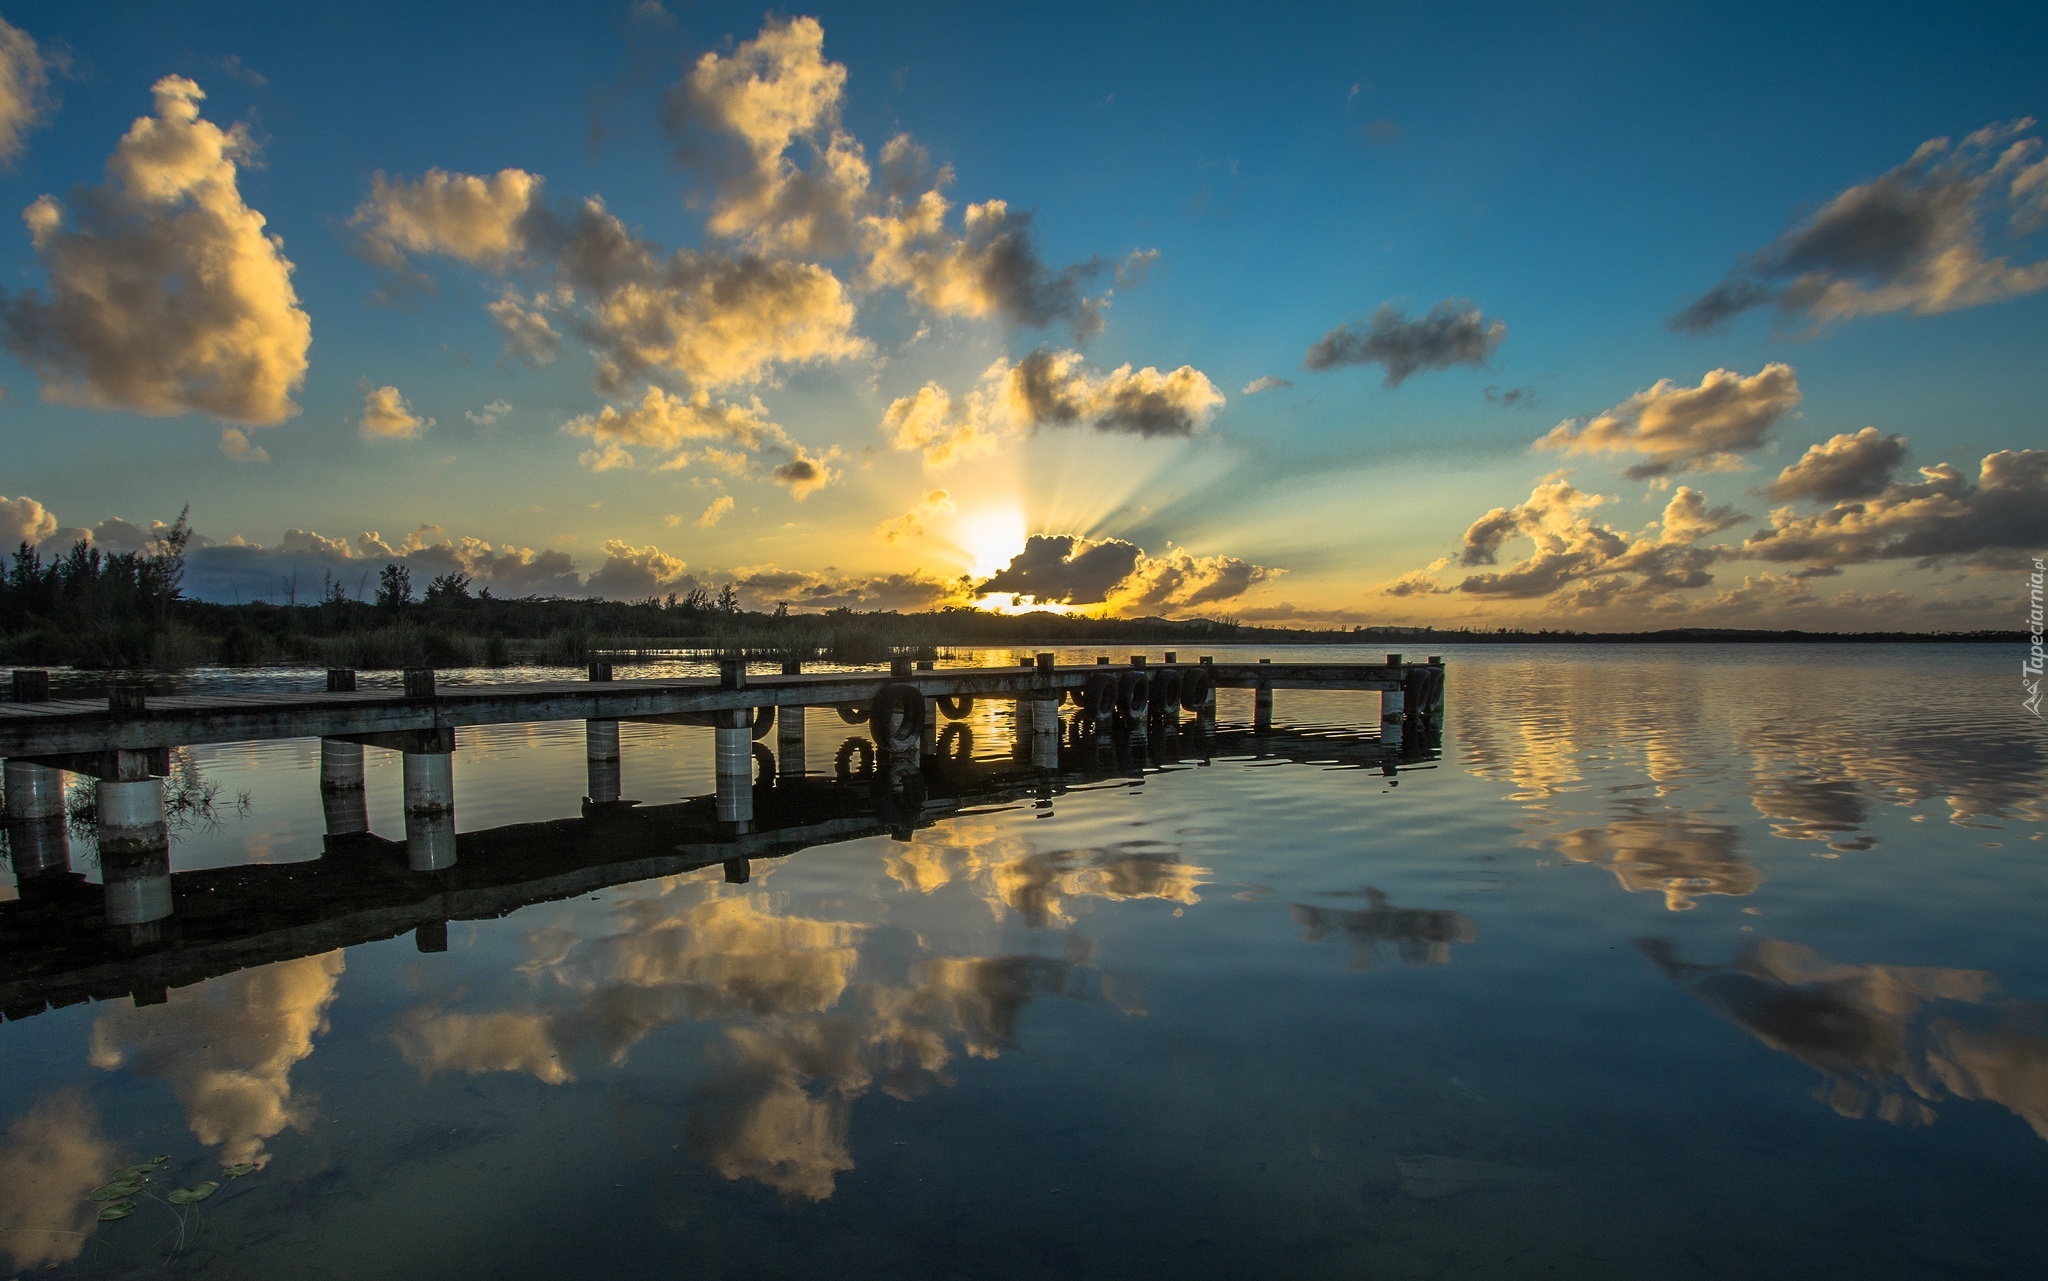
x,y
186,1196
118,1210
158,1160
125,1185
237,1171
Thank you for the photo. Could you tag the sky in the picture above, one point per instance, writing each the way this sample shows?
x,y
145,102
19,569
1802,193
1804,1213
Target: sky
x,y
1463,315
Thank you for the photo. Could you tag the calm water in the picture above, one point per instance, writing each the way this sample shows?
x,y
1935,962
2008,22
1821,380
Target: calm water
x,y
1681,961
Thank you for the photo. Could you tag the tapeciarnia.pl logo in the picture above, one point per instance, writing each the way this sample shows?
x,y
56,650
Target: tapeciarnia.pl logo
x,y
2030,670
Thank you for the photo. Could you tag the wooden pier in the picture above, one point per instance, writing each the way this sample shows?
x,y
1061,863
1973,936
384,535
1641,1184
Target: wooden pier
x,y
124,742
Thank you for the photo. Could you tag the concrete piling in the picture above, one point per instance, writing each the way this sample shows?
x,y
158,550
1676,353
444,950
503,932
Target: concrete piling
x,y
341,765
430,810
734,770
1393,717
33,792
135,855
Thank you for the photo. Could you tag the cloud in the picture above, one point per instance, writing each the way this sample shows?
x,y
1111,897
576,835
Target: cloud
x,y
24,89
530,338
916,590
474,219
2001,519
1453,333
1050,389
1065,570
911,523
52,1155
387,416
1179,580
926,421
1673,853
1911,240
166,294
1703,428
711,318
1857,466
733,437
1267,382
739,115
489,414
1576,562
636,573
991,268
1525,397
248,571
1136,268
720,508
806,473
235,444
24,520
227,1048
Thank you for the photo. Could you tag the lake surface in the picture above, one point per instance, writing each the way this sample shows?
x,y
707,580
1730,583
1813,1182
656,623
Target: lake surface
x,y
1680,961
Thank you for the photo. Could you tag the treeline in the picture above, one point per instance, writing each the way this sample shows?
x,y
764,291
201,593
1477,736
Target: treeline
x,y
93,609
90,609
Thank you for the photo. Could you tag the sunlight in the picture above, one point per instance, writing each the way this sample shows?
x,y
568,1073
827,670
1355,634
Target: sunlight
x,y
990,537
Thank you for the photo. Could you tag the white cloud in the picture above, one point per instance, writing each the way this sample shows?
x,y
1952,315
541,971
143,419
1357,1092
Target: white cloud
x,y
388,416
166,293
1703,428
24,89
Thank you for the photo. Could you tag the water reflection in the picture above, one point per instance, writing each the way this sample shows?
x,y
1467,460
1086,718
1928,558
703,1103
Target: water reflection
x,y
227,1049
1419,937
51,1156
803,1035
1888,1040
1665,851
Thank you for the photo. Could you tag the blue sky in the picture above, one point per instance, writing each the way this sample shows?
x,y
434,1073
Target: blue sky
x,y
1578,176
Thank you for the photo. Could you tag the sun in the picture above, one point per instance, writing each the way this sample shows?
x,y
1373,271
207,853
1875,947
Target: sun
x,y
990,537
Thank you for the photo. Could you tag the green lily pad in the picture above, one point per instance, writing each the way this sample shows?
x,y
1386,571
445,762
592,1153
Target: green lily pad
x,y
186,1196
237,1171
115,1189
118,1210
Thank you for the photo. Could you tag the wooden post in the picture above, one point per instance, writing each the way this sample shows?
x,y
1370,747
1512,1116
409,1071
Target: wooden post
x,y
732,673
419,682
341,680
126,700
600,671
31,686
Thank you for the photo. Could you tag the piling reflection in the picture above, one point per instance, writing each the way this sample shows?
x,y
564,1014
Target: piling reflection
x,y
1417,936
1889,1041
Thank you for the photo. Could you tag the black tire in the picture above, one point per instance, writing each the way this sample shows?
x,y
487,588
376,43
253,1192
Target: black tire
x,y
1133,695
1196,689
897,718
849,751
1166,694
954,709
764,720
853,715
1098,697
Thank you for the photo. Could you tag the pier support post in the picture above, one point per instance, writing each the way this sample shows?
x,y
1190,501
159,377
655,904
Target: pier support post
x,y
1393,717
789,741
34,791
135,856
430,809
341,766
343,800
734,769
1262,705
37,838
601,746
1045,732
